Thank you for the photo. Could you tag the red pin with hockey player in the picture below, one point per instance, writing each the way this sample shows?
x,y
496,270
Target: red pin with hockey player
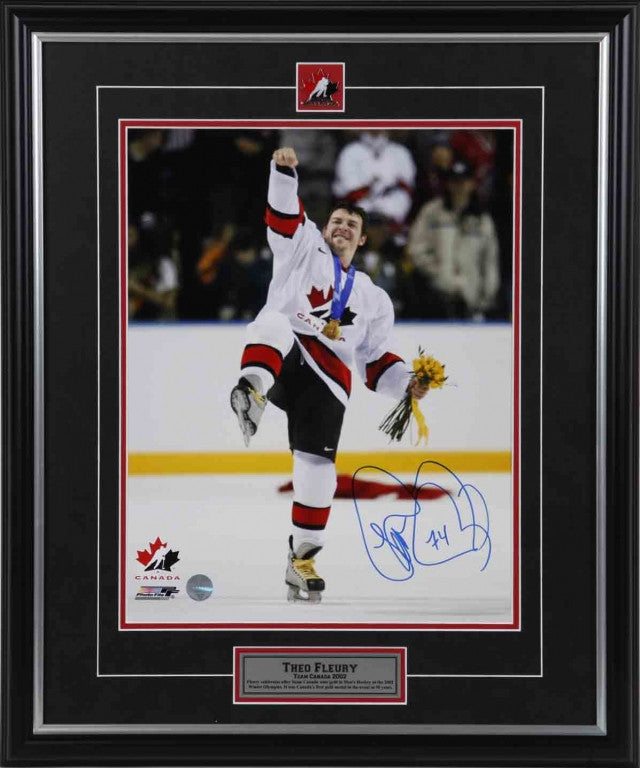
x,y
320,87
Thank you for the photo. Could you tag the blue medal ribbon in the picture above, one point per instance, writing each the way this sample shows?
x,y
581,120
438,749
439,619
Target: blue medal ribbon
x,y
341,293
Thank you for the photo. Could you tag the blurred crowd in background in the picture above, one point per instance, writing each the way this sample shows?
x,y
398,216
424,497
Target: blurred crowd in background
x,y
439,205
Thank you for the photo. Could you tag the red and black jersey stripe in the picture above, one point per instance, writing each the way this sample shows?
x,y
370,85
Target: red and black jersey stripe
x,y
262,356
284,224
378,367
356,195
311,518
327,361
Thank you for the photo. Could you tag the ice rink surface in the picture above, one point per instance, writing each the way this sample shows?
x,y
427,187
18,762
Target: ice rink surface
x,y
386,561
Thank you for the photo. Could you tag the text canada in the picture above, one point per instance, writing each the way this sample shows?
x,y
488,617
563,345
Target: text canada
x,y
157,577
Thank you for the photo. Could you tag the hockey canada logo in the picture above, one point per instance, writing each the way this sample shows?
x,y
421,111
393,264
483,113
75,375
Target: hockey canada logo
x,y
321,306
320,87
158,557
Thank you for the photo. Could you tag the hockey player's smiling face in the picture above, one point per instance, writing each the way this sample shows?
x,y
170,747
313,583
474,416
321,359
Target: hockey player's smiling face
x,y
343,232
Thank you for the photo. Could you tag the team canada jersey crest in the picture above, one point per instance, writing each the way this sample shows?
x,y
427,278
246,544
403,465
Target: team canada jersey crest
x,y
321,306
320,87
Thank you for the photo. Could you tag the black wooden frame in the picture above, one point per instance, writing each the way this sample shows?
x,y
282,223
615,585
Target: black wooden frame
x,y
19,744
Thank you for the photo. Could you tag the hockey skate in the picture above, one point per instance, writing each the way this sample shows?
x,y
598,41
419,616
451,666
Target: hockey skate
x,y
301,578
248,405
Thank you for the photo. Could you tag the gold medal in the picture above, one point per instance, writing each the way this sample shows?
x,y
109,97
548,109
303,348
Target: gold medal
x,y
332,329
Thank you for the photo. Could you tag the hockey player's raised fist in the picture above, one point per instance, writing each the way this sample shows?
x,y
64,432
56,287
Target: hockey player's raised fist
x,y
286,156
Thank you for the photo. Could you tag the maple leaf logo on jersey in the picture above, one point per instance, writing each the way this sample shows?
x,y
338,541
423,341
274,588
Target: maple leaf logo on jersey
x,y
320,87
317,299
158,557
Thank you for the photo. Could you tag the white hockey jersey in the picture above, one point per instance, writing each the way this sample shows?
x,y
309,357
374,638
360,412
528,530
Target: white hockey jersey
x,y
302,288
378,175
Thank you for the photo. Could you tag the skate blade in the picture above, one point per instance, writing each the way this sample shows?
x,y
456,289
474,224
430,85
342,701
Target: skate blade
x,y
240,405
296,595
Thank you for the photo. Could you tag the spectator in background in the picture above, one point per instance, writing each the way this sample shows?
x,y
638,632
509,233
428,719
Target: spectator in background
x,y
242,281
146,204
378,175
478,148
153,279
231,175
454,250
441,160
434,157
152,257
144,176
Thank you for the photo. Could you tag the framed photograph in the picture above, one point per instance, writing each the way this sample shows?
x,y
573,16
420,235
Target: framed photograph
x,y
320,384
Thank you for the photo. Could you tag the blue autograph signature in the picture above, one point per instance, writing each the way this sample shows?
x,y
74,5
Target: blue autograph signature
x,y
398,543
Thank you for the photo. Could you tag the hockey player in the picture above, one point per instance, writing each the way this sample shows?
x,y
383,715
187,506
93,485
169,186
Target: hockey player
x,y
320,317
321,89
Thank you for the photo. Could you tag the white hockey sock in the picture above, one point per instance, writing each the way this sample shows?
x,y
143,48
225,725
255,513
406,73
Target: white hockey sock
x,y
314,484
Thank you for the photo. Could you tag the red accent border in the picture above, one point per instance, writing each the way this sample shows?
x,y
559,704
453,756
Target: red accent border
x,y
320,123
335,123
517,200
334,651
124,321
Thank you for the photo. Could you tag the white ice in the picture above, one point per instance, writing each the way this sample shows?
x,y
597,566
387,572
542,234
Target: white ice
x,y
234,529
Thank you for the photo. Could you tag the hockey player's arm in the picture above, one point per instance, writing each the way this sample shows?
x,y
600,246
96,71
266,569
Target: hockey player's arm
x,y
284,209
381,369
288,228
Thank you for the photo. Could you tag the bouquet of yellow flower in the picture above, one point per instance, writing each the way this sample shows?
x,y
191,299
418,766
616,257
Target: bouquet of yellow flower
x,y
429,372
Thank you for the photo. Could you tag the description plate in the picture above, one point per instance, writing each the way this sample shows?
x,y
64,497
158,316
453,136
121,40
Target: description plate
x,y
342,675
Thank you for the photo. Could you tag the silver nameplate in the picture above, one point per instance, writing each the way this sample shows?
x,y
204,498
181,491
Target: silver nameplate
x,y
320,675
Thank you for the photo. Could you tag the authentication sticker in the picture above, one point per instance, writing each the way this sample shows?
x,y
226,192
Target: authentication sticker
x,y
319,675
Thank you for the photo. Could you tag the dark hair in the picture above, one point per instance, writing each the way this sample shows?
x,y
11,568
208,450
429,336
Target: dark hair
x,y
345,205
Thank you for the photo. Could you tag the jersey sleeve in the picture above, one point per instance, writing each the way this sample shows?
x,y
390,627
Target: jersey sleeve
x,y
381,369
289,231
284,208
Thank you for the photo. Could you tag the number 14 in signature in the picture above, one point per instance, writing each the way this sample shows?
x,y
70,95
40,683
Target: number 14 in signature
x,y
436,537
398,542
